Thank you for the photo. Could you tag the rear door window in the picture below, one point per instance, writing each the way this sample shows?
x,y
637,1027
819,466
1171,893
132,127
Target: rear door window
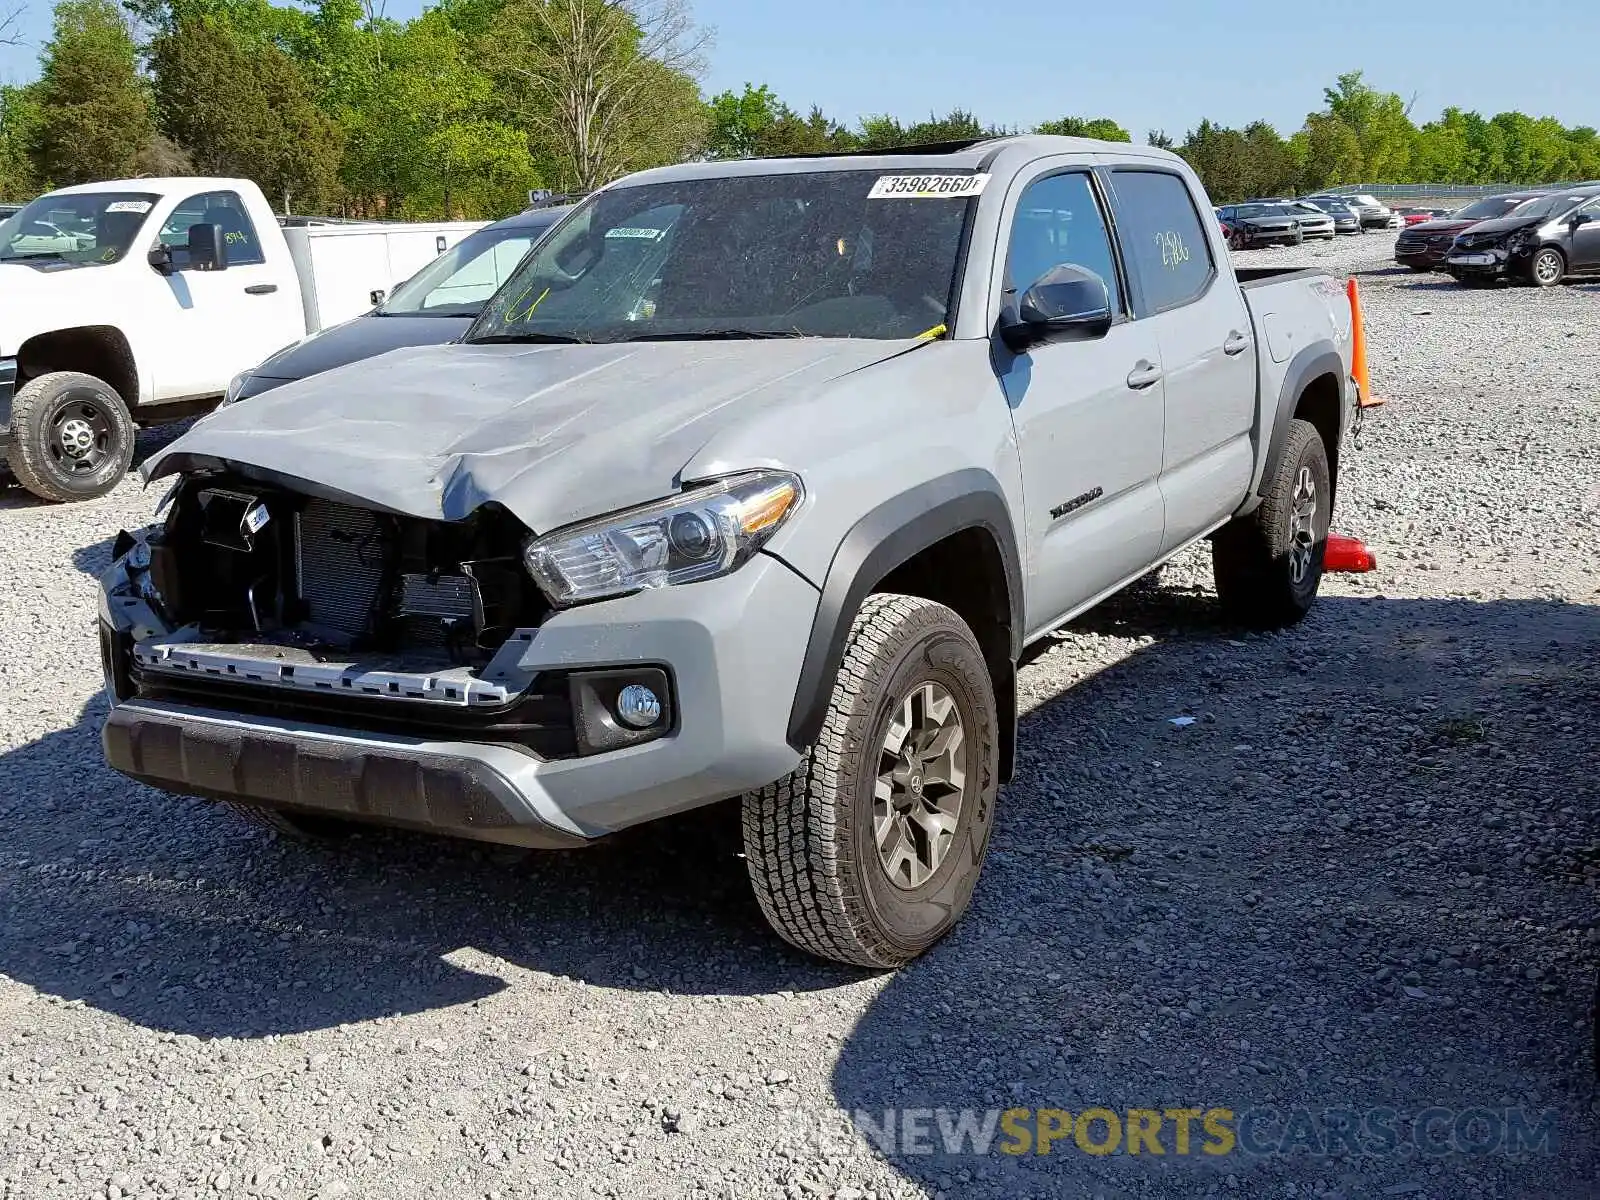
x,y
1163,239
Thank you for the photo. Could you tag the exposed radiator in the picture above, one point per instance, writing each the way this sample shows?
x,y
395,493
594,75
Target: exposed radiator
x,y
339,561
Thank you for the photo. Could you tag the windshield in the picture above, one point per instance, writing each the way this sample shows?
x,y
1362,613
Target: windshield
x,y
1246,211
85,227
801,254
460,281
1549,206
1488,210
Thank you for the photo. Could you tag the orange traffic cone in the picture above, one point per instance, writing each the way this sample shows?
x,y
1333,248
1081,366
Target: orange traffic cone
x,y
1358,350
1347,554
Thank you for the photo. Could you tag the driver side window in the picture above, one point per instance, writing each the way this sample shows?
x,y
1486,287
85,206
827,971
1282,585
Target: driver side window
x,y
1059,222
218,208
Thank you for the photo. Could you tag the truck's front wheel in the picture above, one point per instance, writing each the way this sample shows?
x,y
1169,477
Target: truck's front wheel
x,y
1268,565
869,852
71,437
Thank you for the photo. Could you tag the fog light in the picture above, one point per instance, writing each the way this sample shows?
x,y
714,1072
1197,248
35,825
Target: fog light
x,y
638,707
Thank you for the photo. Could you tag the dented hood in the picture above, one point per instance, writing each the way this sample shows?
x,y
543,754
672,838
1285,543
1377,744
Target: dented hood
x,y
553,433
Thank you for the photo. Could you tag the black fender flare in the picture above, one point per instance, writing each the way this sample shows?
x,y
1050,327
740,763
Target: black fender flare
x,y
1317,359
883,539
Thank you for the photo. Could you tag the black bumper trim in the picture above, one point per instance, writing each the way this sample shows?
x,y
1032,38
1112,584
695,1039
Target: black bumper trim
x,y
392,786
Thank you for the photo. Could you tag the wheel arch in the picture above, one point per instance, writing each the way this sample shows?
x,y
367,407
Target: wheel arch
x,y
1313,390
99,350
950,540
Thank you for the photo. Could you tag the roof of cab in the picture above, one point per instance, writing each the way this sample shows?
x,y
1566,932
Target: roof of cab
x,y
161,184
962,155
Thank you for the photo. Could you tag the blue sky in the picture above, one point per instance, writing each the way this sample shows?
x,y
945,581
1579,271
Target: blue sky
x,y
1146,63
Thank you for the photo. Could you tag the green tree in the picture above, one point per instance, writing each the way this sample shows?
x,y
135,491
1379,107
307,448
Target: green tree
x,y
1221,157
1103,128
424,137
815,133
739,121
95,110
20,117
1381,124
243,110
601,86
1328,153
1160,139
1269,165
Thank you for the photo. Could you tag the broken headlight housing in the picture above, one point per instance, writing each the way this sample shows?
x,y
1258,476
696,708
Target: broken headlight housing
x,y
699,534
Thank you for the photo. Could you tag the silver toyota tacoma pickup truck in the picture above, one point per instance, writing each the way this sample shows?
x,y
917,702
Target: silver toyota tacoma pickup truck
x,y
754,480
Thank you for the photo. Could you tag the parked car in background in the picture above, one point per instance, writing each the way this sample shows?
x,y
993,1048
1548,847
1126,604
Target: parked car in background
x,y
434,306
1541,243
1424,247
149,296
1344,217
1314,223
1252,225
1373,214
9,210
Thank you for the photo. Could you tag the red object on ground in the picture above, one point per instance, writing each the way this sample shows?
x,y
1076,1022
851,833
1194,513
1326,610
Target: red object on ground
x,y
1348,554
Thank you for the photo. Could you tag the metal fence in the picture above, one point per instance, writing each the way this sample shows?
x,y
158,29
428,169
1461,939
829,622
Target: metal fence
x,y
1447,191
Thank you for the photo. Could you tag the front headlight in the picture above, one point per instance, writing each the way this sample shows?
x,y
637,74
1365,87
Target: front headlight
x,y
700,534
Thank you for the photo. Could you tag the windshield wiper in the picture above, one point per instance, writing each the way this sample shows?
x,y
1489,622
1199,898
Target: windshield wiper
x,y
530,339
717,335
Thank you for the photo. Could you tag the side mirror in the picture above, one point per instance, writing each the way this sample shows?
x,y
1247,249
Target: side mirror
x,y
208,248
160,259
1580,219
1066,302
378,296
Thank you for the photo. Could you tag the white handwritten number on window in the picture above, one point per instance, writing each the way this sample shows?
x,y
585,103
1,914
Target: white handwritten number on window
x,y
1173,251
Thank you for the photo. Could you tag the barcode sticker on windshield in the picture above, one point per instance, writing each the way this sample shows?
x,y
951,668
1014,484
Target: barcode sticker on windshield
x,y
926,187
624,231
133,206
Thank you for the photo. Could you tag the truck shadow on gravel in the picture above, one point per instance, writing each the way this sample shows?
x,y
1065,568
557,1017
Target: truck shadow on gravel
x,y
1364,876
176,915
1170,916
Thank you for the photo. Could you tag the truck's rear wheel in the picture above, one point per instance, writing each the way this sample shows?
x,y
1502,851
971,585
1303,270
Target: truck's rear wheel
x,y
1267,565
869,852
72,437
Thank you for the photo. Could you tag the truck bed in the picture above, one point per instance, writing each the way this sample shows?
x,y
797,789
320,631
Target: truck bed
x,y
1249,277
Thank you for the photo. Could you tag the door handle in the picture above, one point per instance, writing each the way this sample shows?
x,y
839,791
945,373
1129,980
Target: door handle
x,y
261,289
1144,375
1237,343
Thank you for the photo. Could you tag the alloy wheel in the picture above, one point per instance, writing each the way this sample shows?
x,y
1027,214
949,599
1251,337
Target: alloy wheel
x,y
1302,525
921,783
1547,267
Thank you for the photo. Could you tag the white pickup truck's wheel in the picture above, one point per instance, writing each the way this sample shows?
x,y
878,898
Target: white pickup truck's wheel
x,y
1268,565
72,437
869,852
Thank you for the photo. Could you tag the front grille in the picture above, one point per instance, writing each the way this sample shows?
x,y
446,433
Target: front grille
x,y
339,565
540,720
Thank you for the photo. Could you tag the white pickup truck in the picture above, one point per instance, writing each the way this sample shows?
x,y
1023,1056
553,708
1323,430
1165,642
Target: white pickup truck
x,y
135,301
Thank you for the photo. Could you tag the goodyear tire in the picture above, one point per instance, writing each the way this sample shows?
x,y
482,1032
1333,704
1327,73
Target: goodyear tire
x,y
72,437
1268,565
869,852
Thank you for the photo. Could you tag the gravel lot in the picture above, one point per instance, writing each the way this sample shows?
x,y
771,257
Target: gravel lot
x,y
1364,876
